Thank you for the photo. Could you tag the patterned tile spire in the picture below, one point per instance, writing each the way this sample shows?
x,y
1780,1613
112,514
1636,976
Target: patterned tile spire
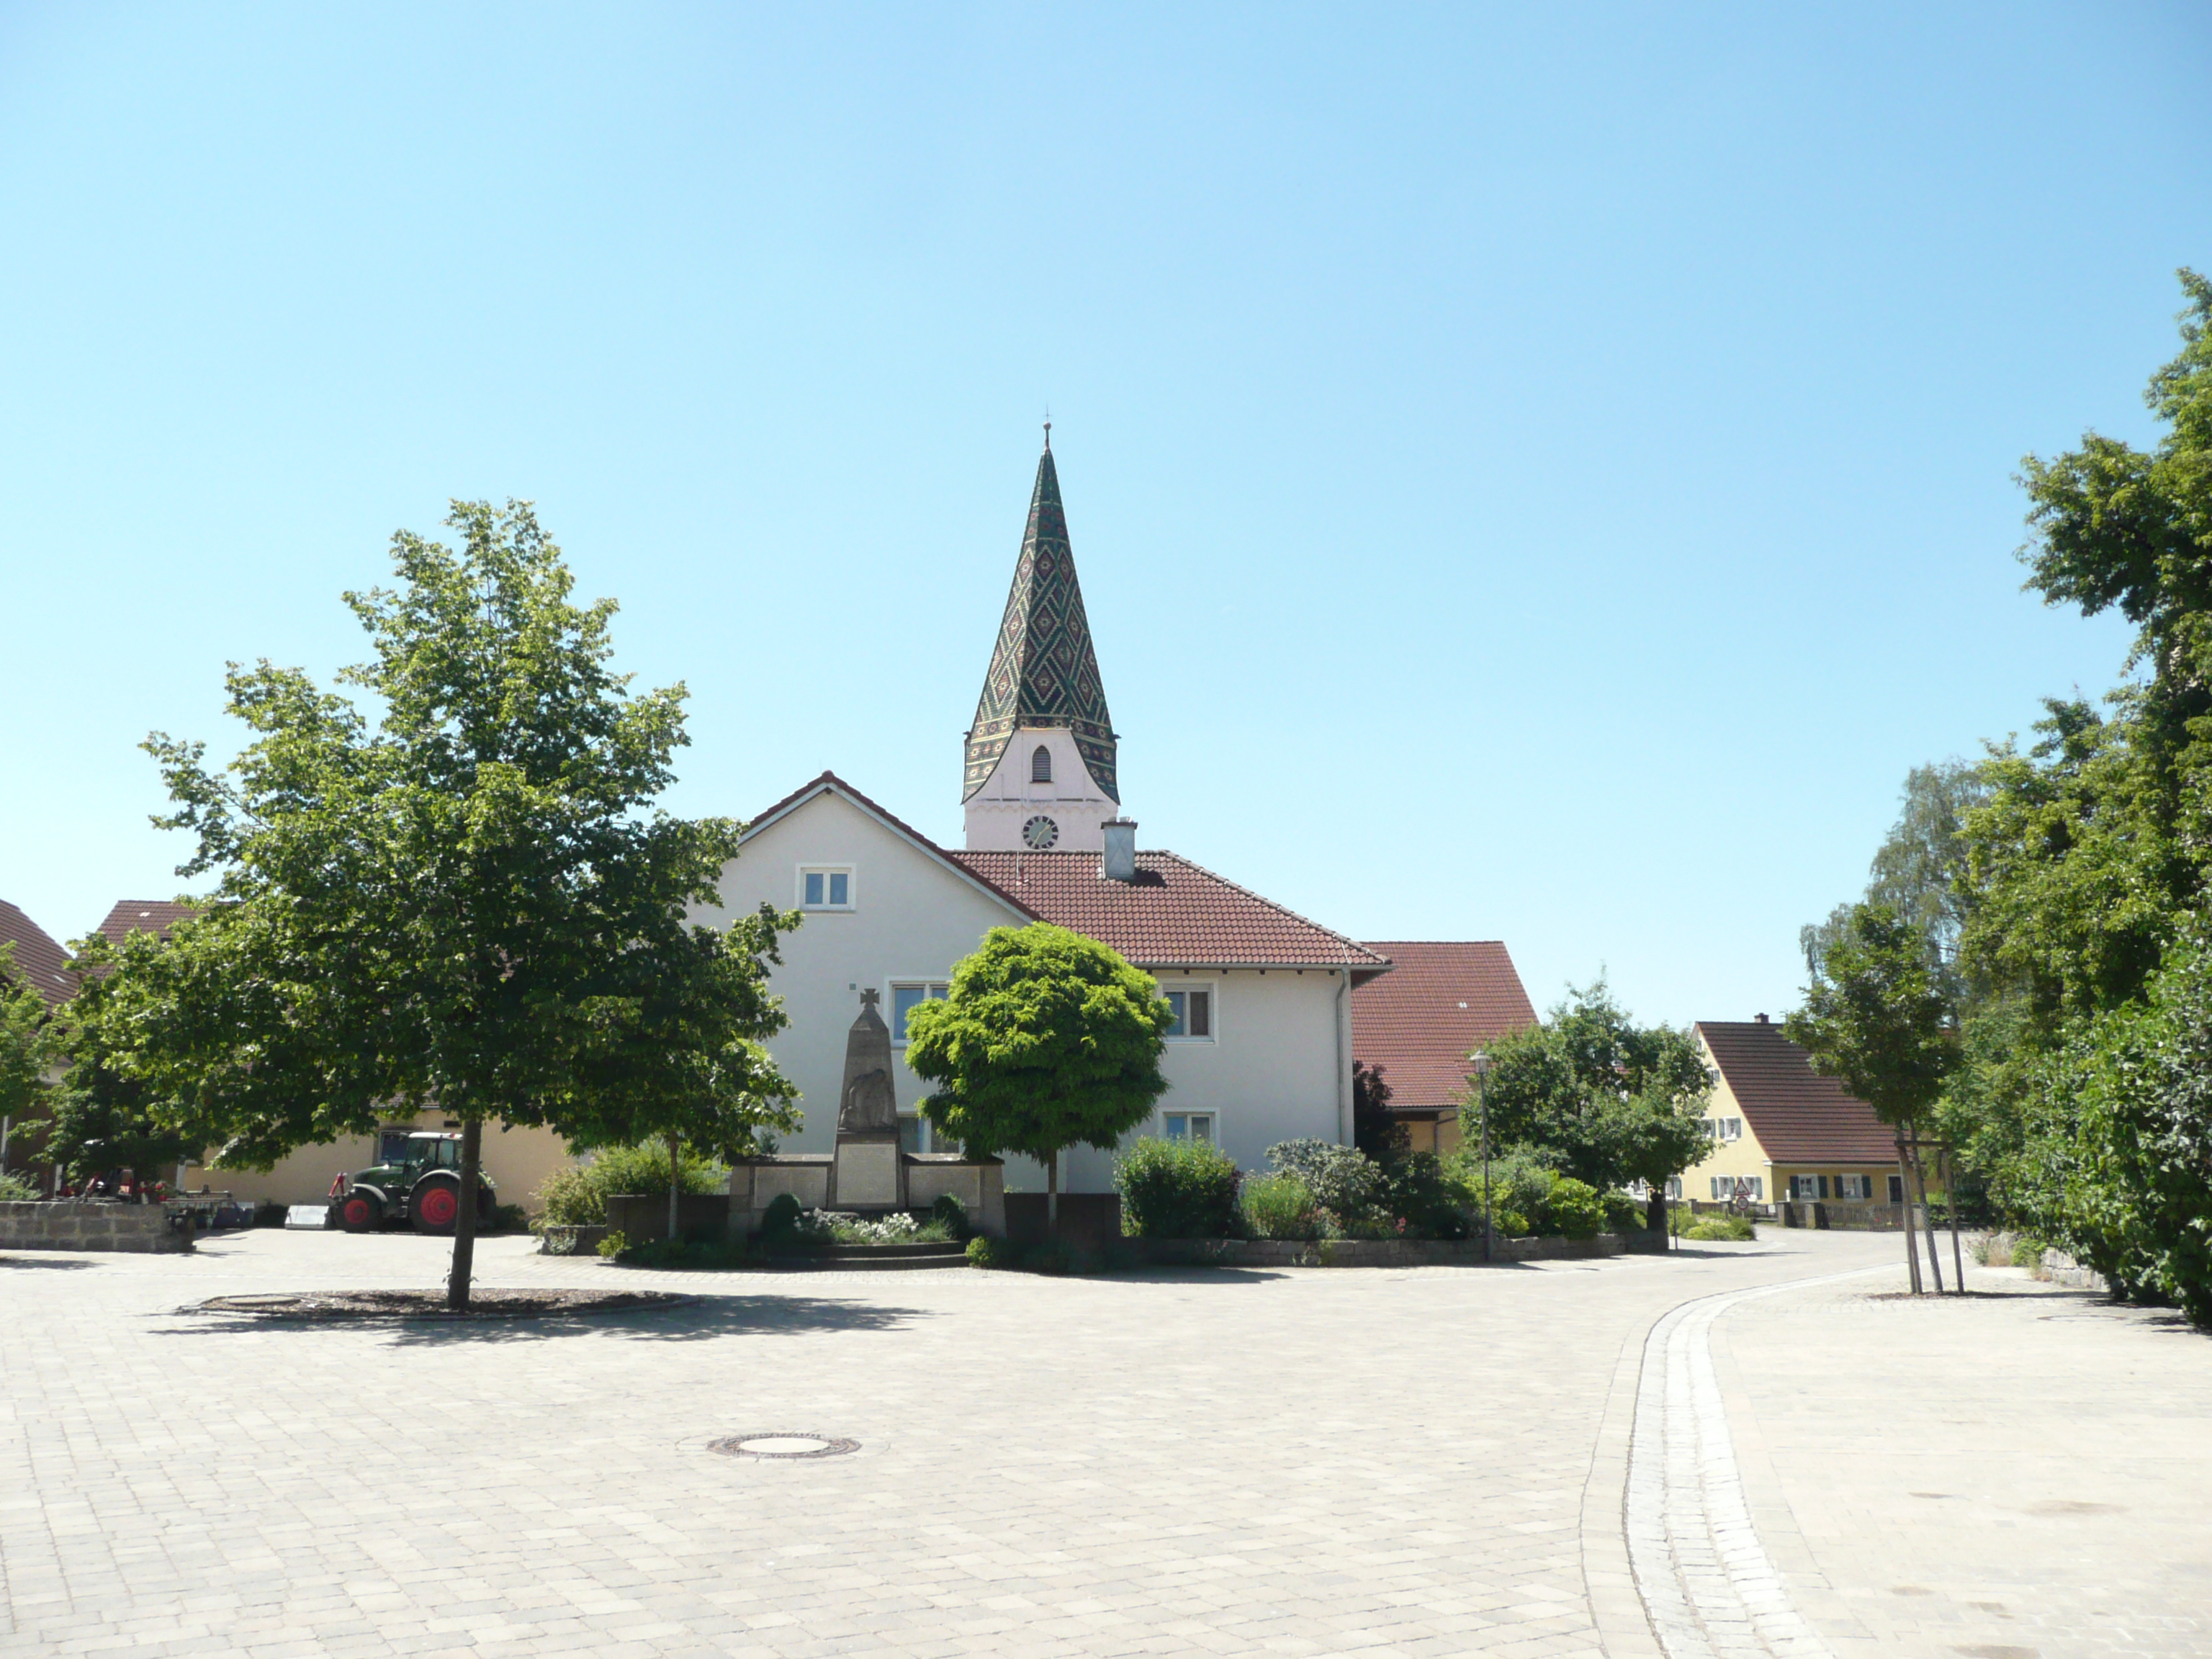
x,y
1043,670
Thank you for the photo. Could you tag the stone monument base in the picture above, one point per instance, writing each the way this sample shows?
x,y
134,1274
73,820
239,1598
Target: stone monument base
x,y
816,1180
869,1174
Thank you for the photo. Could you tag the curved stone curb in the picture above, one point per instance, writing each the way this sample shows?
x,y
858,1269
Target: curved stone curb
x,y
1707,1585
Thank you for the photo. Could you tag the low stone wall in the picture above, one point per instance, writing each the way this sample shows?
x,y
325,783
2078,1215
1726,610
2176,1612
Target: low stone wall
x,y
1089,1221
141,1228
570,1241
1382,1252
638,1219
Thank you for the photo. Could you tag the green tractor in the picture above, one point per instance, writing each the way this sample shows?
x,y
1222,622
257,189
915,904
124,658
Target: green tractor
x,y
422,1188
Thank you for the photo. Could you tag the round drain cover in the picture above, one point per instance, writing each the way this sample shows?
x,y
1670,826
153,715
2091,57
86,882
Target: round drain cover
x,y
783,1445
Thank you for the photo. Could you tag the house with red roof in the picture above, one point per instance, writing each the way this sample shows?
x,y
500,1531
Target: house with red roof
x,y
40,962
1261,1048
1781,1131
1417,1025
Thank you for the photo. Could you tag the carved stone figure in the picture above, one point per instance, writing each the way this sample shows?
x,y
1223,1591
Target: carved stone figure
x,y
868,1104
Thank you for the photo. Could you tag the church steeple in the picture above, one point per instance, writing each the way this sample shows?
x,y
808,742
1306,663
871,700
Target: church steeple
x,y
1043,673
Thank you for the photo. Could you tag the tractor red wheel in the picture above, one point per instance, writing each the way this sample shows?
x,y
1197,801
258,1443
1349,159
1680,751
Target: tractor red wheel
x,y
359,1213
435,1207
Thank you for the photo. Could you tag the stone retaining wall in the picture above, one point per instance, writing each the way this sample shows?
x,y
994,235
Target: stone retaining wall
x,y
143,1228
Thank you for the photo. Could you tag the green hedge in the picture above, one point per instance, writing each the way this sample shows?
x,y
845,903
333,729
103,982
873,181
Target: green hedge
x,y
1178,1189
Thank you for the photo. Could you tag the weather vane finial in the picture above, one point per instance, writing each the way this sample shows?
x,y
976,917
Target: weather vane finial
x,y
1048,427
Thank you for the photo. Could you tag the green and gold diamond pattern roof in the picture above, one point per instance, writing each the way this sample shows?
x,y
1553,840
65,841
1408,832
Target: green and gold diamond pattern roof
x,y
1043,669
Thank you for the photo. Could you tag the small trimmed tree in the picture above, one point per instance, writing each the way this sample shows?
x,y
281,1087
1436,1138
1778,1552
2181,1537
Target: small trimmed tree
x,y
1048,1040
1877,1019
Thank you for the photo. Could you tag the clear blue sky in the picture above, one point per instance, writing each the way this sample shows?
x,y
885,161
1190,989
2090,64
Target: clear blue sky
x,y
1536,472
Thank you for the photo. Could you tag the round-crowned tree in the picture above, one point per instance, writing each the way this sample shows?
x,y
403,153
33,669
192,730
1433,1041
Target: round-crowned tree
x,y
1048,1040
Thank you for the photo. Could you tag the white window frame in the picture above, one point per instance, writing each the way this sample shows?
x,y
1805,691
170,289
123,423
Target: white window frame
x,y
826,870
1731,1128
939,983
1861,1188
1213,990
1211,1115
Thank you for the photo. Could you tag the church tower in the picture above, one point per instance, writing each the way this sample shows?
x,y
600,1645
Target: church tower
x,y
1040,756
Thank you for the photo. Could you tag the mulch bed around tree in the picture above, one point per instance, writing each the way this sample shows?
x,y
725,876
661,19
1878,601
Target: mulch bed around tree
x,y
484,1303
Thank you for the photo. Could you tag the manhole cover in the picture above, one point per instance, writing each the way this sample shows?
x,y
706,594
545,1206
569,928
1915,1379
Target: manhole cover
x,y
782,1445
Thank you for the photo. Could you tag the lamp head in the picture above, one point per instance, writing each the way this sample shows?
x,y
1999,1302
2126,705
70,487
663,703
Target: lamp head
x,y
1480,1063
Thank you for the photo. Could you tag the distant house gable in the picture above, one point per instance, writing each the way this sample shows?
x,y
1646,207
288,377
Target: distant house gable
x,y
39,960
1798,1115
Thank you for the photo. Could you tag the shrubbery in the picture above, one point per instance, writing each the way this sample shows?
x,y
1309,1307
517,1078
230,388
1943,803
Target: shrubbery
x,y
1713,1229
1178,1189
1280,1206
13,1189
577,1196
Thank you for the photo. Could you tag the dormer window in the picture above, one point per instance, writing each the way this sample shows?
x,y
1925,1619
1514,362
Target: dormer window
x,y
1040,765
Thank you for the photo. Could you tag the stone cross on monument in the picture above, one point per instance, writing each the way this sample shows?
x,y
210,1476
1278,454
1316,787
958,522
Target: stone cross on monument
x,y
871,1170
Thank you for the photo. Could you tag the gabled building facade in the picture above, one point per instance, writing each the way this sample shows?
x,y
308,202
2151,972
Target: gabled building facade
x,y
1782,1132
1261,1048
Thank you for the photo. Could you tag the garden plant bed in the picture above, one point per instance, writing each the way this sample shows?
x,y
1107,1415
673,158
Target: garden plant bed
x,y
485,1304
844,1258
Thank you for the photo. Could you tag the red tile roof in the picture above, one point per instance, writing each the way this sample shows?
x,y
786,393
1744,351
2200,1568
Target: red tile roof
x,y
1442,1000
1799,1117
1174,915
37,958
143,916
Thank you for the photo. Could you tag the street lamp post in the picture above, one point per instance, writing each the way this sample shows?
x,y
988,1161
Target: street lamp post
x,y
1481,1062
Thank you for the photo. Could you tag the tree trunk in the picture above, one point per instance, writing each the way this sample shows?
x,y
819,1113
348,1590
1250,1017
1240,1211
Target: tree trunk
x,y
1052,1196
1905,1209
1951,1205
464,1224
1920,1179
675,1186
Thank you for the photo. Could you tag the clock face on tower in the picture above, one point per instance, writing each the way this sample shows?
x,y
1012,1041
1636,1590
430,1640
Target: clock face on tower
x,y
1039,833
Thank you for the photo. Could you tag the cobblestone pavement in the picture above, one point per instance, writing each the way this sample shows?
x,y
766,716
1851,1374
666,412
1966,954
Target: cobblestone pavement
x,y
1422,1462
2025,1473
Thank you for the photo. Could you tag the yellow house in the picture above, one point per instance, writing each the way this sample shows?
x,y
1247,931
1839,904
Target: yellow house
x,y
1782,1132
517,1160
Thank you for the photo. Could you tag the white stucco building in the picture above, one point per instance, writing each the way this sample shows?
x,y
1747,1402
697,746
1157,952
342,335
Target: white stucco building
x,y
1261,1051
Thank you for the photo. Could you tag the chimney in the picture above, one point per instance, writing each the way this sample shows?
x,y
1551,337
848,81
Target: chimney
x,y
1118,861
1759,1019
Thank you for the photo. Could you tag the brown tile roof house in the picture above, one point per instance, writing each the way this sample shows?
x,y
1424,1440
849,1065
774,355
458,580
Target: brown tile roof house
x,y
37,958
1798,1115
1175,914
1443,1000
143,916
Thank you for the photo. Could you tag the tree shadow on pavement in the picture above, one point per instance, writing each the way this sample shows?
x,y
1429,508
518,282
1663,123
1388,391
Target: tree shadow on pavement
x,y
46,1261
711,1316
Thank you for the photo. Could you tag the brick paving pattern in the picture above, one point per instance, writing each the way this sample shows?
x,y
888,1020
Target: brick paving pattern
x,y
1419,1462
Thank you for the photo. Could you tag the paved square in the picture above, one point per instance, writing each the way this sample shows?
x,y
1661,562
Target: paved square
x,y
1415,1462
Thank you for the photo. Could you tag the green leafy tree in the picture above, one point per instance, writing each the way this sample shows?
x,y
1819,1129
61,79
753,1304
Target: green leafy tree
x,y
1918,870
1876,1018
679,1056
466,903
1048,1040
2087,865
31,1042
103,1117
1598,1099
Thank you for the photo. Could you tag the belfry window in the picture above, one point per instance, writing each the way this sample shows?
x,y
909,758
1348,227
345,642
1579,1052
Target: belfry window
x,y
1040,765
